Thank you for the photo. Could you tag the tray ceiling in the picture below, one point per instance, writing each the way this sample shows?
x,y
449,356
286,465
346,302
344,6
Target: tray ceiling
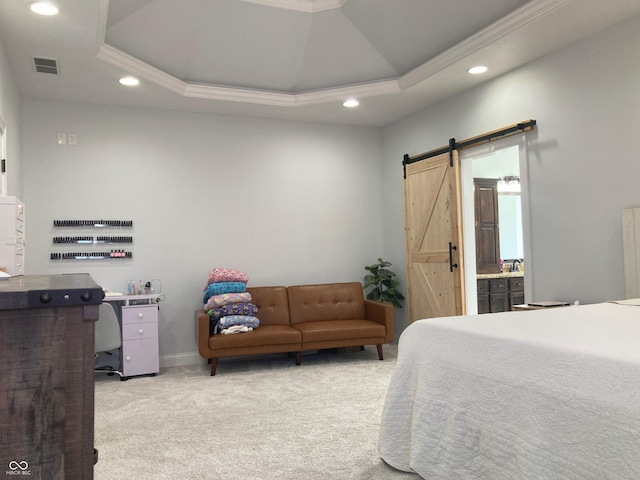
x,y
290,59
273,46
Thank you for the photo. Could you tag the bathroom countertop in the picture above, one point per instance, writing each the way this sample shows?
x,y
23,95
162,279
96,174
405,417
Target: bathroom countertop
x,y
500,275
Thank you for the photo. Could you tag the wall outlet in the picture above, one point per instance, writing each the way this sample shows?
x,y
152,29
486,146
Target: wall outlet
x,y
61,139
72,139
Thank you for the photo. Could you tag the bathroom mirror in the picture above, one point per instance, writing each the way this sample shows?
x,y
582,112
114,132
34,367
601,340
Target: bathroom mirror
x,y
510,213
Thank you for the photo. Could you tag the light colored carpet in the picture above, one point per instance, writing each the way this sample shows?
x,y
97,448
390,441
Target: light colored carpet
x,y
259,418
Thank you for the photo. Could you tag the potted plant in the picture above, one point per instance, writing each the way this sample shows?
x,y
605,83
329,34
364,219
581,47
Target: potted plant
x,y
385,286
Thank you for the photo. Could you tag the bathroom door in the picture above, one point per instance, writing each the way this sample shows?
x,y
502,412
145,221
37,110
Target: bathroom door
x,y
433,237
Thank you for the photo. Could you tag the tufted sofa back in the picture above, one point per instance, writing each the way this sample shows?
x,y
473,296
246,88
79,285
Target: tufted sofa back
x,y
335,301
272,303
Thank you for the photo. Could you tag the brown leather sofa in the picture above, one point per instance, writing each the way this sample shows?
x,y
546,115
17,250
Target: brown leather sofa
x,y
299,318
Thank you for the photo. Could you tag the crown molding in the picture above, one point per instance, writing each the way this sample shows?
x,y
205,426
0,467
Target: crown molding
x,y
517,19
133,66
145,71
485,37
212,92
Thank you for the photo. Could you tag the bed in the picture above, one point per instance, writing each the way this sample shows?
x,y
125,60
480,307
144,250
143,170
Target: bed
x,y
542,394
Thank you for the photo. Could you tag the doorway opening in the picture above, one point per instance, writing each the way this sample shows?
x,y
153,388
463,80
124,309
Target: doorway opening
x,y
504,159
3,157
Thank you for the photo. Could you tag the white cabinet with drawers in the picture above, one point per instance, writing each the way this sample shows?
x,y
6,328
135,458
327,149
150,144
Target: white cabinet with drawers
x,y
138,318
140,351
12,235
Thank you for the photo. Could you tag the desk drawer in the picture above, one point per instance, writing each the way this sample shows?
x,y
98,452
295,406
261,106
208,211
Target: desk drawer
x,y
139,314
139,331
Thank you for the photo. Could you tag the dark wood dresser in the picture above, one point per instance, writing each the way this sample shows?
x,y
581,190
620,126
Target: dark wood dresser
x,y
46,376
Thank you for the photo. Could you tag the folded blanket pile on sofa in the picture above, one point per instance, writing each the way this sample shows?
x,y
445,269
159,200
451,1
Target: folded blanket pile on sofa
x,y
228,303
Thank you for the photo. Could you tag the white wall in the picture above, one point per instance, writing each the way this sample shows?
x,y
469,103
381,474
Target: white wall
x,y
583,161
287,203
294,203
11,115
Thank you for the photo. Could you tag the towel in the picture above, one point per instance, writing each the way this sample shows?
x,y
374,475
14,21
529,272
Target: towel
x,y
220,288
219,274
236,329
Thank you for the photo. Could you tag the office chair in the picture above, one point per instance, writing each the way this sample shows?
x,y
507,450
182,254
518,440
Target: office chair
x,y
108,339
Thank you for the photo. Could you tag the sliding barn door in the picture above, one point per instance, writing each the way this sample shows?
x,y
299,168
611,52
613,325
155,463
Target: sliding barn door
x,y
433,225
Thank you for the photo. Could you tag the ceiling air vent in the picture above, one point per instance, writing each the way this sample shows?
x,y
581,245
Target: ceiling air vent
x,y
46,65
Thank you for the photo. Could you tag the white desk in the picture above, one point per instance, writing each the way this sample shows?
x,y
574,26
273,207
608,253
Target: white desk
x,y
137,299
138,315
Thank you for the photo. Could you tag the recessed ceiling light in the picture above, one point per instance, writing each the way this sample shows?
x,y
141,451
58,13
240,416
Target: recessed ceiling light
x,y
477,70
44,8
129,81
352,102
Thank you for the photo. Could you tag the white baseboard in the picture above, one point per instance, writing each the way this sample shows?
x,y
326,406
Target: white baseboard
x,y
180,360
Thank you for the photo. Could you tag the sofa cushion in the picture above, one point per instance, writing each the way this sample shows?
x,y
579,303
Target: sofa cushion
x,y
263,335
329,330
333,301
272,303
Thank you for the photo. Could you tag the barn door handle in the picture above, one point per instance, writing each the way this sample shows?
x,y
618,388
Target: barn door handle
x,y
451,264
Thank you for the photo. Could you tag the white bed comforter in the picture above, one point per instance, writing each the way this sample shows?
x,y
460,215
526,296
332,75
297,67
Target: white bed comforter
x,y
544,394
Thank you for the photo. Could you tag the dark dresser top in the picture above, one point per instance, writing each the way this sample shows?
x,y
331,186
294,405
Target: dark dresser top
x,y
37,291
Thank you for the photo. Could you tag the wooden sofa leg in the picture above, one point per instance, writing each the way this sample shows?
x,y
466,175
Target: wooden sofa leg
x,y
298,358
214,365
380,351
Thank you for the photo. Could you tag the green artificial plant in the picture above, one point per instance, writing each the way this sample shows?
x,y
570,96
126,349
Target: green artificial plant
x,y
385,287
